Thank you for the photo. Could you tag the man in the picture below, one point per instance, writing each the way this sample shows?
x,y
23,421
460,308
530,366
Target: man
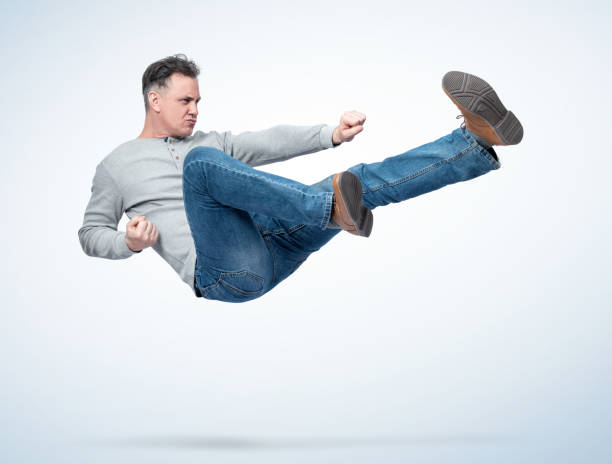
x,y
232,232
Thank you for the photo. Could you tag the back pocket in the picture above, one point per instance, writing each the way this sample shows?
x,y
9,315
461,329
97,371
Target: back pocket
x,y
235,287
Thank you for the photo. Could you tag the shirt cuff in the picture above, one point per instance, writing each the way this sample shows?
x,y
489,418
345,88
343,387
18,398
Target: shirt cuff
x,y
124,249
325,137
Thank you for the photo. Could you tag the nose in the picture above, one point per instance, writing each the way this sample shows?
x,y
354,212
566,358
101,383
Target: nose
x,y
194,109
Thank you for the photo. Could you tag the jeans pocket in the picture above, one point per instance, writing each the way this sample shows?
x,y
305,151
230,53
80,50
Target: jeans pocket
x,y
235,287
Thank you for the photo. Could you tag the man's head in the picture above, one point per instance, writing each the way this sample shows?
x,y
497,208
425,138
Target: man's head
x,y
171,93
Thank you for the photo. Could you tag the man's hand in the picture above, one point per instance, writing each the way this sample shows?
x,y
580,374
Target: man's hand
x,y
351,123
140,233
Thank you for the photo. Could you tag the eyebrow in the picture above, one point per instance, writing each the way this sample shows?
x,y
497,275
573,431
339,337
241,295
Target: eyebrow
x,y
189,97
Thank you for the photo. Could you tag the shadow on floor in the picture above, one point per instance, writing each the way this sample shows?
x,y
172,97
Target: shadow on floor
x,y
243,443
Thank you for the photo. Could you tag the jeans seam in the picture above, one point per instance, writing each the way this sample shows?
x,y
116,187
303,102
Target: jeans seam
x,y
264,235
204,290
422,171
328,207
271,251
281,231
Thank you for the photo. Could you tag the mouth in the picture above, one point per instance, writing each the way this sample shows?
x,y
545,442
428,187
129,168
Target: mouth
x,y
191,121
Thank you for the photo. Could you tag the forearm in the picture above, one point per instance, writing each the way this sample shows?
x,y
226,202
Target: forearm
x,y
278,143
104,242
98,235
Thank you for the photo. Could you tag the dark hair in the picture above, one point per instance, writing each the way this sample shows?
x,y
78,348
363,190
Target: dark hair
x,y
156,75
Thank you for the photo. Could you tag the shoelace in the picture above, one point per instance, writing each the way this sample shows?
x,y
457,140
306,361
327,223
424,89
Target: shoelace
x,y
462,122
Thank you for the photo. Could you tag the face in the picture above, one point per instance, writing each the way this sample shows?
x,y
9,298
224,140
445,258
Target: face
x,y
176,105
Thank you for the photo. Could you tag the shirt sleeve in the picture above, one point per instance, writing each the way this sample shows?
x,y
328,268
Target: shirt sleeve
x,y
278,143
99,236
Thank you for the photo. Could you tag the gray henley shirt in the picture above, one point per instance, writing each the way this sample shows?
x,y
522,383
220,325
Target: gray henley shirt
x,y
144,177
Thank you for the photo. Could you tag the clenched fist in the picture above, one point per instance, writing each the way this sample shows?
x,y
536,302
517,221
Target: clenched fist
x,y
351,123
140,233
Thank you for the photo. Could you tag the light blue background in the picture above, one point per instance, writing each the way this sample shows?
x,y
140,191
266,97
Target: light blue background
x,y
472,326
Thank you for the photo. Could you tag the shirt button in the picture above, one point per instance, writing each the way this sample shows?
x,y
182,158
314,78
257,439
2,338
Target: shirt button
x,y
177,157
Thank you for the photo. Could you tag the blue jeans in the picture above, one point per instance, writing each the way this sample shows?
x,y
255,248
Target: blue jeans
x,y
253,229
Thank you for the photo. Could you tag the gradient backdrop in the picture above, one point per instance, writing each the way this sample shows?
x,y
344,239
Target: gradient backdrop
x,y
473,325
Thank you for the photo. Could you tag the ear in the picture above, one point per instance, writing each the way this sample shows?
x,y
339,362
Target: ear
x,y
154,100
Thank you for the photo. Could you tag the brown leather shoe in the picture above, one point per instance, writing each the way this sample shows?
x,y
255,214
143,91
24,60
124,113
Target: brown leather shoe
x,y
348,211
483,111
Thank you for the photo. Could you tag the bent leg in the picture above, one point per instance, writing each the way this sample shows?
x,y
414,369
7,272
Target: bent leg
x,y
229,182
233,261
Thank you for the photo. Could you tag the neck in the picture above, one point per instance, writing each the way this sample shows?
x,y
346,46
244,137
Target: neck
x,y
152,129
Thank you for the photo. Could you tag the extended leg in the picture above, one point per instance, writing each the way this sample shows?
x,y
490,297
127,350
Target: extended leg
x,y
455,157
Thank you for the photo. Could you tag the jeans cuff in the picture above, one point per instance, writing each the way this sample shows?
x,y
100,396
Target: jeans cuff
x,y
495,164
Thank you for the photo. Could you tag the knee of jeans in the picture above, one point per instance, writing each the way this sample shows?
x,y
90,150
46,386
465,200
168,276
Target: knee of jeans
x,y
193,172
203,153
235,287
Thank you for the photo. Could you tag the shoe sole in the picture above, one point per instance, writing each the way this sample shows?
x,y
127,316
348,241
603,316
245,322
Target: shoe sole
x,y
479,103
347,188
